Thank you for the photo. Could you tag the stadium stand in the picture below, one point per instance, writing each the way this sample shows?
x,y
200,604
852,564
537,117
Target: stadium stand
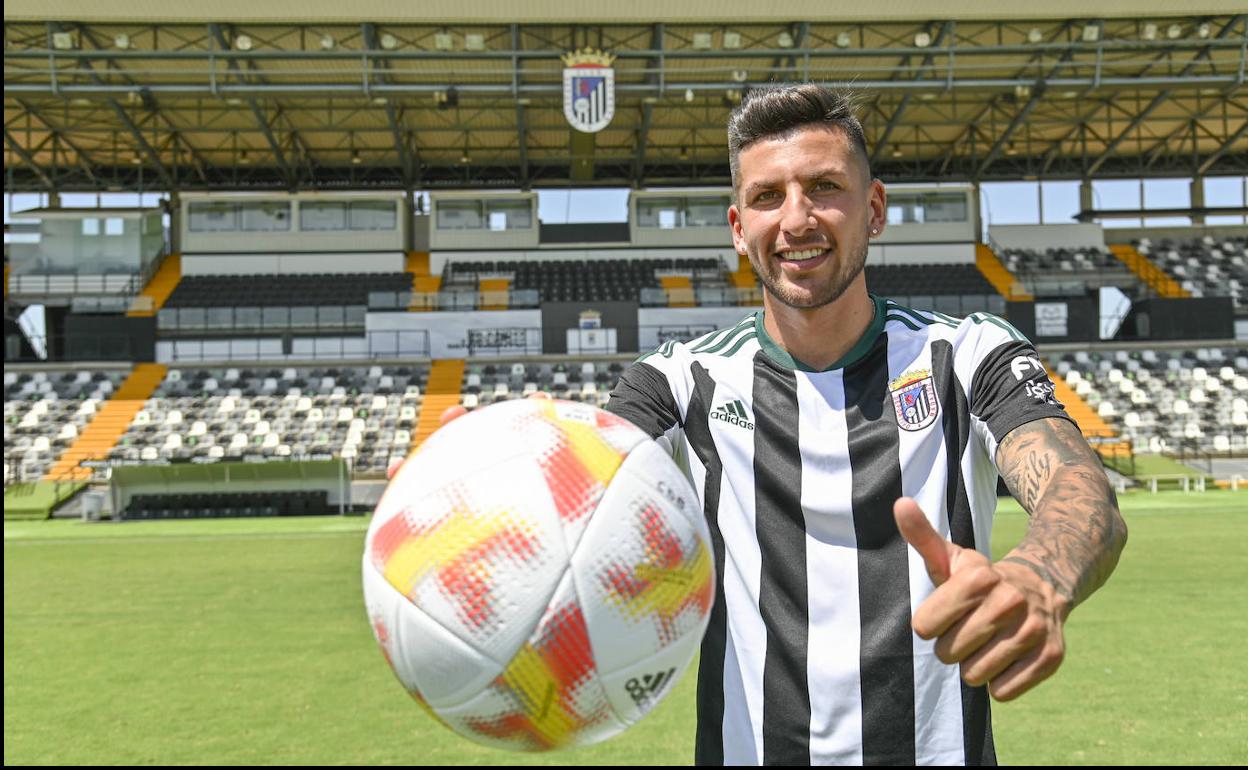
x,y
287,290
1166,400
362,413
1068,271
1204,267
45,412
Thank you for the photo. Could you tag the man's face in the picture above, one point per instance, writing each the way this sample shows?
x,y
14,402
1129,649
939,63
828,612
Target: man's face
x,y
804,212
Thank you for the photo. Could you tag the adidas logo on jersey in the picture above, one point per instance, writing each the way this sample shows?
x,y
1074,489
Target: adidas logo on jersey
x,y
733,413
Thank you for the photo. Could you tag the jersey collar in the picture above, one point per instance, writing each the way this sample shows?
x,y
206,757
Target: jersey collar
x,y
782,357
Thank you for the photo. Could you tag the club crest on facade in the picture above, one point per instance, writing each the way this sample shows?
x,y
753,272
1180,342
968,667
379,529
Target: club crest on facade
x,y
588,89
914,398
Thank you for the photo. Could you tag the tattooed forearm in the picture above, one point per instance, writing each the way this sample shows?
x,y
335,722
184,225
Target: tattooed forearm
x,y
1076,531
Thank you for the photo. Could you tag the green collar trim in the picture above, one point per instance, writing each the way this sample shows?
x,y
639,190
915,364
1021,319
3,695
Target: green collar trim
x,y
860,348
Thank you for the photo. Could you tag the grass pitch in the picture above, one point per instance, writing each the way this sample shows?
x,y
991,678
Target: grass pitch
x,y
245,642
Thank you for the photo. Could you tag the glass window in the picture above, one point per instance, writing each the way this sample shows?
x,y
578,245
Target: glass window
x,y
945,207
265,217
659,212
905,210
213,217
114,226
459,215
514,215
322,216
707,212
90,226
373,215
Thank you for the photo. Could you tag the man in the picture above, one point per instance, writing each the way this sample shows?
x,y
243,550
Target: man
x,y
827,431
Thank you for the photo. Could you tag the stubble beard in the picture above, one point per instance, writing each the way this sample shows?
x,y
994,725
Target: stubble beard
x,y
847,272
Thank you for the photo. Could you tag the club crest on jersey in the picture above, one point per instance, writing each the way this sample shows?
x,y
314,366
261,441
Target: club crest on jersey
x,y
914,398
588,89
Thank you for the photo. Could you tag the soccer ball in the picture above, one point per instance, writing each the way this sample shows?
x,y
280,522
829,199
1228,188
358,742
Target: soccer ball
x,y
538,574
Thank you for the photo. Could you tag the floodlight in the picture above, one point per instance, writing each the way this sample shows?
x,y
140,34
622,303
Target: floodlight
x,y
740,75
688,94
1204,30
121,41
1091,33
732,40
784,40
355,158
328,42
243,158
844,40
1174,31
702,41
1149,32
1035,35
388,41
63,41
922,39
242,43
443,41
474,42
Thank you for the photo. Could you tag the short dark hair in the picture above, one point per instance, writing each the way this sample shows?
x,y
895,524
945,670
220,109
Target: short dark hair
x,y
779,111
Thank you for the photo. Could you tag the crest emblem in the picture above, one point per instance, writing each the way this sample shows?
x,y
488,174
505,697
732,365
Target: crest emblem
x,y
914,398
588,89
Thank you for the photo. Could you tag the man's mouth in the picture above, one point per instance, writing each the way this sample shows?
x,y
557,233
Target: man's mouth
x,y
803,257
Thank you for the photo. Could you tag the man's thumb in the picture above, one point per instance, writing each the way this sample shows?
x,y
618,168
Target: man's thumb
x,y
918,532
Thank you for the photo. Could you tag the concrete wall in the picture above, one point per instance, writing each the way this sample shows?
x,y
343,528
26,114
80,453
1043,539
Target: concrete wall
x,y
276,264
1042,237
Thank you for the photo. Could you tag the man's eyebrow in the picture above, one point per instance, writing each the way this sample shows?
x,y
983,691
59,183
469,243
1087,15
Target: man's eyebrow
x,y
829,172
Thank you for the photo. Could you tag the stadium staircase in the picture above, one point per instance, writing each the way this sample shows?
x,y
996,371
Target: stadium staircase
x,y
1152,276
679,289
424,286
744,279
495,293
110,423
999,276
156,293
442,391
1104,439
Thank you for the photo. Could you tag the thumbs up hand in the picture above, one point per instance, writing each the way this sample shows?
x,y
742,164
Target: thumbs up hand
x,y
1002,623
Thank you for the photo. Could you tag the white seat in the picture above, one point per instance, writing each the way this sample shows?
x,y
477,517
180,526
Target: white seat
x,y
174,375
238,441
226,405
378,403
281,450
529,387
411,392
68,431
216,451
231,375
143,418
588,389
470,401
517,370
271,441
560,378
346,414
270,385
374,372
1222,443
402,438
1181,407
251,417
472,379
174,417
1106,409
198,428
385,381
501,390
303,404
315,414
211,385
261,428
173,441
1197,396
149,453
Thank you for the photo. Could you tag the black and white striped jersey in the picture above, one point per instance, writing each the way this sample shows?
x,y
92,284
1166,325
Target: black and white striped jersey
x,y
809,656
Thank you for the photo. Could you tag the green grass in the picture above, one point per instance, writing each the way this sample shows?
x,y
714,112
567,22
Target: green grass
x,y
240,642
1144,465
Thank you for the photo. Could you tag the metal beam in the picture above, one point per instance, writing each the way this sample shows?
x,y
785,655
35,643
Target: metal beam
x,y
1226,146
218,35
84,160
369,31
945,31
522,118
120,112
29,160
1160,99
653,77
1002,140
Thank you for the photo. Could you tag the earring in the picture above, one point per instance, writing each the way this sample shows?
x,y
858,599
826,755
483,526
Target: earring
x,y
875,231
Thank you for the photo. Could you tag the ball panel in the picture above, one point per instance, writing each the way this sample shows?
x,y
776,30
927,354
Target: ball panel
x,y
549,695
480,555
634,690
644,571
437,668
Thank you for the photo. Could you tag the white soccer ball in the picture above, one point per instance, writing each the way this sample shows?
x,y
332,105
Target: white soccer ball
x,y
538,574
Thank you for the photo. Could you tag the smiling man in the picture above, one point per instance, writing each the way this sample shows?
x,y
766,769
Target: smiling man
x,y
858,618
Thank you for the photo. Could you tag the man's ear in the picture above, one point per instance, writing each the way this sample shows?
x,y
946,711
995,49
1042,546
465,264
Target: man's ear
x,y
738,232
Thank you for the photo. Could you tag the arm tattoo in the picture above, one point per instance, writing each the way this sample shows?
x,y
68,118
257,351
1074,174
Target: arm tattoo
x,y
1076,532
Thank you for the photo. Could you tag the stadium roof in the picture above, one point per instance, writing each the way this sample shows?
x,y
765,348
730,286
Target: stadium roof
x,y
193,103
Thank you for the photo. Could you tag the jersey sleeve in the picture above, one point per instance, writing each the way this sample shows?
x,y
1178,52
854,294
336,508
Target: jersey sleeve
x,y
1009,386
644,397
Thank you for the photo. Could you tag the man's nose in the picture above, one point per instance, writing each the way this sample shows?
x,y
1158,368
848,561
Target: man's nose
x,y
796,216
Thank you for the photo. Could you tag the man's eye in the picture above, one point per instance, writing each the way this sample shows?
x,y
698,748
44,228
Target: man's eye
x,y
765,196
825,185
